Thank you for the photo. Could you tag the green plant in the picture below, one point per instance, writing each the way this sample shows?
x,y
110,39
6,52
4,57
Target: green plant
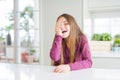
x,y
26,16
102,37
32,51
26,23
116,41
96,37
8,28
106,37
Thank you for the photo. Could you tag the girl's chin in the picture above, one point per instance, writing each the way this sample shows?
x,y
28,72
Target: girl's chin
x,y
65,36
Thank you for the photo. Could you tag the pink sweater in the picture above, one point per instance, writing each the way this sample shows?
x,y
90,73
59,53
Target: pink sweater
x,y
83,58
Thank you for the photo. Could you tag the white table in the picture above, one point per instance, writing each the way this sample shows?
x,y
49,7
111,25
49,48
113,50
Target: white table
x,y
38,72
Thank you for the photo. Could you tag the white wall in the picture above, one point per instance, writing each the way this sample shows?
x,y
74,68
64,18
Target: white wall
x,y
103,5
51,9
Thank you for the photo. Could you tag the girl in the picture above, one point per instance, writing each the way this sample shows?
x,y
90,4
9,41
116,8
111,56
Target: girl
x,y
70,49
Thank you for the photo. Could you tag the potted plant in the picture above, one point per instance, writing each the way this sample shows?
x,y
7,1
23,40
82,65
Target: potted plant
x,y
30,56
101,42
116,43
8,29
24,56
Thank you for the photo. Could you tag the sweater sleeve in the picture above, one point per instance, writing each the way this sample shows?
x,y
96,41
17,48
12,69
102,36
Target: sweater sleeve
x,y
86,61
55,50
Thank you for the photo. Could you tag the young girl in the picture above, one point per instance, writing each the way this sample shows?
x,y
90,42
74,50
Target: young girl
x,y
70,49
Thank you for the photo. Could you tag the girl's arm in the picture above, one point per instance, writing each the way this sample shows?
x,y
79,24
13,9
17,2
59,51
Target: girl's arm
x,y
86,61
55,50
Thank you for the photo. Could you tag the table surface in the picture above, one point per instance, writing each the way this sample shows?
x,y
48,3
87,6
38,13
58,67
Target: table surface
x,y
105,54
40,72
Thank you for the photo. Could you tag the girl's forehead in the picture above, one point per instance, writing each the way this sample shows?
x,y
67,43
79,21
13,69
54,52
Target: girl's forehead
x,y
62,19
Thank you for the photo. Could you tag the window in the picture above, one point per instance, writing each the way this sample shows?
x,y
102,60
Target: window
x,y
102,22
106,22
20,29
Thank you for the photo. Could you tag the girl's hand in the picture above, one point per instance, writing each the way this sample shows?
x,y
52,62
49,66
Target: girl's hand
x,y
62,68
58,30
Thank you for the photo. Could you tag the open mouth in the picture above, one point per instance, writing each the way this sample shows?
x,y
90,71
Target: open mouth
x,y
64,31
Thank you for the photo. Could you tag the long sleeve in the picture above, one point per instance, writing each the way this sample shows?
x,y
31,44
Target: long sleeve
x,y
84,60
55,50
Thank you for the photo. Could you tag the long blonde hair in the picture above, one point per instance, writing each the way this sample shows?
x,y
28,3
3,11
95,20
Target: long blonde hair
x,y
72,39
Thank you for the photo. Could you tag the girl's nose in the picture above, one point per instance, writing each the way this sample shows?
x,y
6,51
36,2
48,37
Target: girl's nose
x,y
62,27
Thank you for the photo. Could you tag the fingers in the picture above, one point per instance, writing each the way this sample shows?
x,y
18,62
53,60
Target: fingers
x,y
62,69
58,28
59,69
58,24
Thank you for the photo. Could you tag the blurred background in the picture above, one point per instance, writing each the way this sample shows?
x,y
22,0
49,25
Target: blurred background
x,y
27,29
